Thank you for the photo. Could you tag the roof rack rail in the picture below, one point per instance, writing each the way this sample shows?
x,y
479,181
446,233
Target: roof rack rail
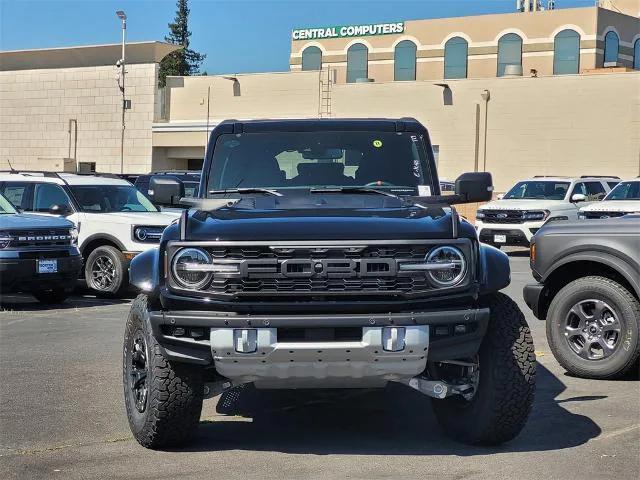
x,y
600,176
550,176
98,174
29,172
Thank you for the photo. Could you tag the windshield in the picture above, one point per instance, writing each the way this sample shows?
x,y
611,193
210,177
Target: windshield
x,y
286,161
625,191
538,190
111,198
5,206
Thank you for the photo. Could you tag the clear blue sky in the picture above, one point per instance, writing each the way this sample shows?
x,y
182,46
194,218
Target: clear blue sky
x,y
237,35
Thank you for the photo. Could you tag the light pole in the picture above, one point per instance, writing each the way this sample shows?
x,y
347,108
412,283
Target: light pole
x,y
121,63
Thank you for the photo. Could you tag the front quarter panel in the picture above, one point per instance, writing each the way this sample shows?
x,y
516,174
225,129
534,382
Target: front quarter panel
x,y
144,271
495,272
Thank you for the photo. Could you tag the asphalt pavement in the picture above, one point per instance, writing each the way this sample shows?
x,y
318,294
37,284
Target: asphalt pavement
x,y
62,416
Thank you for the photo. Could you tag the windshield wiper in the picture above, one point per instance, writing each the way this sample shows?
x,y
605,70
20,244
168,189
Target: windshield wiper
x,y
246,190
352,190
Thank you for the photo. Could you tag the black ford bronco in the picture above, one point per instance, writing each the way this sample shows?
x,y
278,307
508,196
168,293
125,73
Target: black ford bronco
x,y
321,254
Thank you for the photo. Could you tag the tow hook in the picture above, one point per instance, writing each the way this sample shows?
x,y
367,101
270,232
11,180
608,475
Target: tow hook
x,y
438,388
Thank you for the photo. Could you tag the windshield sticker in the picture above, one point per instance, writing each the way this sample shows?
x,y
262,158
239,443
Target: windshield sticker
x,y
377,143
424,190
417,171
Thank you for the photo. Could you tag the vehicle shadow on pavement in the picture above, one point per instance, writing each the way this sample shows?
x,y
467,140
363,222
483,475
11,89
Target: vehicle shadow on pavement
x,y
394,421
26,303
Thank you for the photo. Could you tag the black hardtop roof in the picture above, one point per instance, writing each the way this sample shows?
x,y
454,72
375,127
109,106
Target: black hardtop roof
x,y
322,124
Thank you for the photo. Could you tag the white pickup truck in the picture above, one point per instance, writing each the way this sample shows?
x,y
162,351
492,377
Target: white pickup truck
x,y
515,218
115,221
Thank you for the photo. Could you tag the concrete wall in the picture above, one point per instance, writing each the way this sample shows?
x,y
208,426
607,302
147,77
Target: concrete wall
x,y
36,106
567,125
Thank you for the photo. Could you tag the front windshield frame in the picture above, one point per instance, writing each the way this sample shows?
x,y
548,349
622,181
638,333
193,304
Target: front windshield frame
x,y
421,161
143,201
6,207
511,194
612,195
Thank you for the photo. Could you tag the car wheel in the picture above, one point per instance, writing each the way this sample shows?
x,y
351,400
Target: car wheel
x,y
56,295
504,388
106,271
163,399
592,328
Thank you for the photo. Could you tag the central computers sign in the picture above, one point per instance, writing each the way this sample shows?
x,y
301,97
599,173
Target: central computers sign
x,y
346,31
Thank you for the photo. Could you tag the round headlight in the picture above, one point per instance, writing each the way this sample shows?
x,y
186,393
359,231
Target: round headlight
x,y
5,240
190,268
141,233
448,266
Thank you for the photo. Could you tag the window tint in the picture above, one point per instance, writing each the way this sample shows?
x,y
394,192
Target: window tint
x,y
6,206
111,198
636,55
404,61
611,47
291,161
311,59
612,185
566,53
47,195
455,58
17,194
625,191
357,62
595,191
509,51
538,190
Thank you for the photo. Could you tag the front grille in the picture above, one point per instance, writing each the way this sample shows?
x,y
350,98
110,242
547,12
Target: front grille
x,y
270,272
513,237
503,216
597,215
40,238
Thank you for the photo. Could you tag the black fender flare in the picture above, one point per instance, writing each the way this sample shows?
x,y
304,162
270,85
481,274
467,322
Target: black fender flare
x,y
144,271
618,264
101,236
495,272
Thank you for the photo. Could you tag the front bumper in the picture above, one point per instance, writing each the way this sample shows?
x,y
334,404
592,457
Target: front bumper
x,y
21,274
305,362
517,234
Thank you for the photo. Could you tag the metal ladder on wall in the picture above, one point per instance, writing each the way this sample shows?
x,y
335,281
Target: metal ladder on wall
x,y
326,82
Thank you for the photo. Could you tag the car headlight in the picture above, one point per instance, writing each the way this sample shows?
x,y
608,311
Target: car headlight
x,y
147,234
5,240
538,215
73,235
582,216
480,214
446,266
192,268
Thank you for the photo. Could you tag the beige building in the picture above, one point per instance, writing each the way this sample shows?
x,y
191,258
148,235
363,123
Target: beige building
x,y
514,125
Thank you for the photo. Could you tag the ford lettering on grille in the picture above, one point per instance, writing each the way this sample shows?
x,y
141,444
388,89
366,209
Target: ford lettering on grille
x,y
320,268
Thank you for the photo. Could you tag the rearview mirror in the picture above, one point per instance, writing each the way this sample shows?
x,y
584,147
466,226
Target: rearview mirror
x,y
61,210
578,197
474,187
165,190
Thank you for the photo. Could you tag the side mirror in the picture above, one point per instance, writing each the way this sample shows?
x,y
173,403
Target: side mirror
x,y
578,197
474,187
61,210
165,190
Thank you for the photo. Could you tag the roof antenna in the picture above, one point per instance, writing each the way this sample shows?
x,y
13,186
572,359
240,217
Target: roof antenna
x,y
13,170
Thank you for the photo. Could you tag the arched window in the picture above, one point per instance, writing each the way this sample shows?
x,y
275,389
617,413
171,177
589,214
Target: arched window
x,y
566,53
636,55
509,51
611,47
357,62
456,52
404,61
312,58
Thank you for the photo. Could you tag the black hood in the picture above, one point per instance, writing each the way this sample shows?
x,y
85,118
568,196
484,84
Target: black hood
x,y
330,217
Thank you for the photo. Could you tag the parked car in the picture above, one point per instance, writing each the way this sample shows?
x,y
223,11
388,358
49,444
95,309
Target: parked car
x,y
532,203
189,178
588,291
622,200
300,268
115,222
38,254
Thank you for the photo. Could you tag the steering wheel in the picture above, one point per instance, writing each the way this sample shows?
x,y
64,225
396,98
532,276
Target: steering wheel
x,y
379,183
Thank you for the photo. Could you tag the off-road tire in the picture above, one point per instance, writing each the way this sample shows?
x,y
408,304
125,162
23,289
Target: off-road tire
x,y
121,274
174,390
50,297
627,307
507,367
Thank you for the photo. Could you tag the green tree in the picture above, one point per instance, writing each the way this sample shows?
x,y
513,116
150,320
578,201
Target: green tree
x,y
183,61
